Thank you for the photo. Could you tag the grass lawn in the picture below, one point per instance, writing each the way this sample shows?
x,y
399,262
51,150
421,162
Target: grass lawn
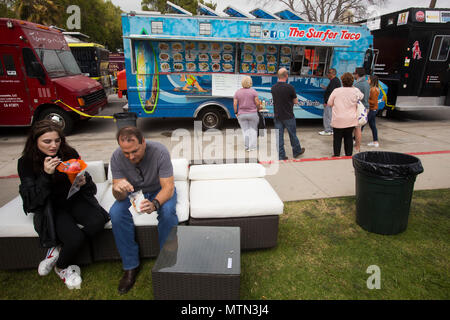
x,y
321,254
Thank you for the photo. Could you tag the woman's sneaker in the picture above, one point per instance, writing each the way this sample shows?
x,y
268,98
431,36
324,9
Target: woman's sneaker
x,y
373,144
71,276
49,262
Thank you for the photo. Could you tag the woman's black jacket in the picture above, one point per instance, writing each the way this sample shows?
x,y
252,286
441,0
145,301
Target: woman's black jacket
x,y
39,193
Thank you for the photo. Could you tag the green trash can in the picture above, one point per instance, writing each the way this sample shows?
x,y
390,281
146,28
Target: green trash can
x,y
125,119
384,187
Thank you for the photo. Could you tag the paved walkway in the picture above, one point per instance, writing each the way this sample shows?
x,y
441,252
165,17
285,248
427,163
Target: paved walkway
x,y
314,175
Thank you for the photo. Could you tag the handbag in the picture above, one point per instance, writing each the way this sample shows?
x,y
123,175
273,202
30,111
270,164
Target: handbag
x,y
361,114
261,124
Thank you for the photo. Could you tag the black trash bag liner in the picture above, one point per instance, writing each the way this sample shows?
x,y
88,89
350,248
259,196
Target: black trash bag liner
x,y
387,165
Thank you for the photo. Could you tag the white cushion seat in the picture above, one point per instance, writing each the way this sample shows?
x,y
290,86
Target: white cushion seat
x,y
236,195
233,198
14,222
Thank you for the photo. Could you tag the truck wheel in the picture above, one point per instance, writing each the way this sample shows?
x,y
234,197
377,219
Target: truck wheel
x,y
211,119
59,116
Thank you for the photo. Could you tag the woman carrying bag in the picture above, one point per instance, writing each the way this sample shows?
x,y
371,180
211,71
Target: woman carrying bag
x,y
344,103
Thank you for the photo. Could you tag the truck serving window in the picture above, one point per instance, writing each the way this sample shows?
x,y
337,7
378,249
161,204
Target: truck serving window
x,y
58,63
440,49
312,61
9,65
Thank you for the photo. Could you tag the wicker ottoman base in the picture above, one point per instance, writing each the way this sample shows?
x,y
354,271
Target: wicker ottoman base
x,y
198,263
26,253
104,245
187,286
256,232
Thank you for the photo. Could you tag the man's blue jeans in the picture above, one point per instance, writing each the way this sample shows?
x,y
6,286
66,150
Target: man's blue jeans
x,y
124,231
291,127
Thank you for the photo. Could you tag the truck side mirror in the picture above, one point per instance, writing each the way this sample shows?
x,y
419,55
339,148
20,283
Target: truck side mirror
x,y
38,72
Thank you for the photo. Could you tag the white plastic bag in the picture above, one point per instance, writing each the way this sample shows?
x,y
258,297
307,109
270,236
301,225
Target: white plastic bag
x,y
136,198
361,113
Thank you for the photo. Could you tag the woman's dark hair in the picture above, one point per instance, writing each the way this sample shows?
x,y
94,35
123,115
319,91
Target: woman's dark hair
x,y
31,151
347,79
373,81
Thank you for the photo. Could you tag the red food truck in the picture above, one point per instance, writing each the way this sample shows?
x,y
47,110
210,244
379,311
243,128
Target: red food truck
x,y
40,79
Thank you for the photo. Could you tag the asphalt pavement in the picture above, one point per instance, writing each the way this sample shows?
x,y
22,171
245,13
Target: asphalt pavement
x,y
313,175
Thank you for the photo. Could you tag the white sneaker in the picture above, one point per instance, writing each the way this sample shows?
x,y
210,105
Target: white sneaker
x,y
325,133
373,144
46,265
71,276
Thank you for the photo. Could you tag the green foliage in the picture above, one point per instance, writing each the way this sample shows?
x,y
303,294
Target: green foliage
x,y
208,4
160,5
6,10
100,19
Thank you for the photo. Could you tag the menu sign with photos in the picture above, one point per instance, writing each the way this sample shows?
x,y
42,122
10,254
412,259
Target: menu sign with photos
x,y
258,58
195,56
285,57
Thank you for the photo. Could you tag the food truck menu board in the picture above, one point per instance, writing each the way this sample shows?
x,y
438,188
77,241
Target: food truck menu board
x,y
226,85
195,56
258,58
285,57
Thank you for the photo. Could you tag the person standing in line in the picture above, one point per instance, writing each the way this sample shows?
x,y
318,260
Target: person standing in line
x,y
344,102
140,165
246,106
373,109
284,97
333,84
364,87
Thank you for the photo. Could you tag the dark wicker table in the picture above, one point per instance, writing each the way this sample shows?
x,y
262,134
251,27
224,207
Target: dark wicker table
x,y
198,263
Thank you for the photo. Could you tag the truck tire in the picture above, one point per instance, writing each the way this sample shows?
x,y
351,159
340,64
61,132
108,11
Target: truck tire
x,y
58,115
211,118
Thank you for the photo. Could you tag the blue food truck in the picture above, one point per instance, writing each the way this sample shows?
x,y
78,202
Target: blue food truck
x,y
181,65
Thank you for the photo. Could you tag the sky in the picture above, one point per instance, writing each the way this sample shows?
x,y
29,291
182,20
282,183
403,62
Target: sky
x,y
245,5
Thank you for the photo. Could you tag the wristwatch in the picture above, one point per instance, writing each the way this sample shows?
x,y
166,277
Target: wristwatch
x,y
156,204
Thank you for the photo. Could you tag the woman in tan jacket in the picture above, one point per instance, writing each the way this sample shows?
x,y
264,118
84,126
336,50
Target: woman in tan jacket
x,y
373,109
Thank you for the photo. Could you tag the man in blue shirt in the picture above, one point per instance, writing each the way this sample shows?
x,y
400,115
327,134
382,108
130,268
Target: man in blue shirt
x,y
327,113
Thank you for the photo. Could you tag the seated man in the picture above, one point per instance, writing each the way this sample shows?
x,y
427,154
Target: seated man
x,y
140,165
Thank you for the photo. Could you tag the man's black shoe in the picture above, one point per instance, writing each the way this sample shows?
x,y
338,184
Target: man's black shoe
x,y
284,158
300,153
128,279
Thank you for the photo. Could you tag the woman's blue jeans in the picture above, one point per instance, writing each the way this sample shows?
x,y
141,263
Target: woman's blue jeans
x,y
371,118
124,230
